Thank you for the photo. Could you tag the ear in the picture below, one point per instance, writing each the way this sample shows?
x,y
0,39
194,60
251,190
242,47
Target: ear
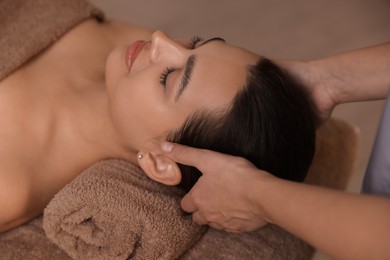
x,y
160,168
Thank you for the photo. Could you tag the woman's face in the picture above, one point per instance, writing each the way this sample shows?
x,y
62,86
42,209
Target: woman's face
x,y
154,86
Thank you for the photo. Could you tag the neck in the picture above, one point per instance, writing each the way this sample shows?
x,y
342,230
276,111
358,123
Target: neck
x,y
95,133
87,122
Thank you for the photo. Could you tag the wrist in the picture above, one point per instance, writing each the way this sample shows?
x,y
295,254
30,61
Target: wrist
x,y
327,84
263,195
314,78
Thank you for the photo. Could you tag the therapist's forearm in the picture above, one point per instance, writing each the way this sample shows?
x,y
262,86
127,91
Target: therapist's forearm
x,y
346,226
358,75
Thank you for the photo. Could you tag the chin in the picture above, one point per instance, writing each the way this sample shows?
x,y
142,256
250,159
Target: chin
x,y
115,65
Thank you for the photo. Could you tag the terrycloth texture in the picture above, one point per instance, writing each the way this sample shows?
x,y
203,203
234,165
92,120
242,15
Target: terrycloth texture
x,y
113,211
268,243
29,242
27,27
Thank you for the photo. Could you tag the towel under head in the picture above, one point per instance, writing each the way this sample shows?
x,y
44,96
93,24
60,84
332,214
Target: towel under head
x,y
113,211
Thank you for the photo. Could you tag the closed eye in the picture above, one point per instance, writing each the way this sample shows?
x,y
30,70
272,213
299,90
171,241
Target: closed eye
x,y
164,76
194,40
189,66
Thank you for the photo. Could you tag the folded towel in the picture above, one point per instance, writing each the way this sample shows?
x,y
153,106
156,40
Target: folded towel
x,y
88,237
29,242
113,211
267,243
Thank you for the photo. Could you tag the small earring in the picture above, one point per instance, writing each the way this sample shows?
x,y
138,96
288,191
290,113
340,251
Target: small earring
x,y
140,156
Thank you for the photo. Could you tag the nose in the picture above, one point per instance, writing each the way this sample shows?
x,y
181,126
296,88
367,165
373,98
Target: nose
x,y
164,48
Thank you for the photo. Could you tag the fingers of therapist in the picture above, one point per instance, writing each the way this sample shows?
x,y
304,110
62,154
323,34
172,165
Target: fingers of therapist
x,y
198,218
183,154
215,226
199,158
187,204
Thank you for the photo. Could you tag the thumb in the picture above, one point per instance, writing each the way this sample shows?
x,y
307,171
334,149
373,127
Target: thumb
x,y
184,154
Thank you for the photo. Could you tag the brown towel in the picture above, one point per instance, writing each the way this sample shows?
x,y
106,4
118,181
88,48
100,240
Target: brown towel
x,y
28,27
267,243
30,242
113,211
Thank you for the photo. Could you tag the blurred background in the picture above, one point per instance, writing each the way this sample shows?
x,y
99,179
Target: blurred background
x,y
300,29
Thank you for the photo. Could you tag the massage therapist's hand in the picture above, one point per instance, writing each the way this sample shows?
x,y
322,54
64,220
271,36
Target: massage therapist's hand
x,y
222,197
358,75
312,78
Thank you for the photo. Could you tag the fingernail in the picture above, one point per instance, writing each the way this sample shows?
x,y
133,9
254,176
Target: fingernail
x,y
167,147
161,165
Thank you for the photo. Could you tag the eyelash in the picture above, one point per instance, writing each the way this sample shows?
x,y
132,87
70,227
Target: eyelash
x,y
194,40
163,77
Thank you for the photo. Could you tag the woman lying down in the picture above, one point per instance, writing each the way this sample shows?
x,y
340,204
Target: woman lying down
x,y
113,90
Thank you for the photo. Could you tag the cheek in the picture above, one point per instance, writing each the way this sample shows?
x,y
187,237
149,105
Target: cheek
x,y
138,111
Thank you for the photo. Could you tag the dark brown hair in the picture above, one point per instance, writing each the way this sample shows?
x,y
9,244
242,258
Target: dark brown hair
x,y
270,123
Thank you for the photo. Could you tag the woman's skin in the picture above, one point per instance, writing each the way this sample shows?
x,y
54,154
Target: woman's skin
x,y
345,226
79,102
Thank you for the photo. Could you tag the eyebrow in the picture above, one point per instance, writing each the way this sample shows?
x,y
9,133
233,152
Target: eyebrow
x,y
186,76
189,67
211,40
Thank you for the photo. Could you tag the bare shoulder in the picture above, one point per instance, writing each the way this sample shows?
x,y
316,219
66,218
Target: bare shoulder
x,y
24,192
15,200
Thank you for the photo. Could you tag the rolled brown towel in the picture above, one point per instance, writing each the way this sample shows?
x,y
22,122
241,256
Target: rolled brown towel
x,y
113,211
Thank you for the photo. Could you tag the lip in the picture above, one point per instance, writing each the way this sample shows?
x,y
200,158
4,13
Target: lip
x,y
132,52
